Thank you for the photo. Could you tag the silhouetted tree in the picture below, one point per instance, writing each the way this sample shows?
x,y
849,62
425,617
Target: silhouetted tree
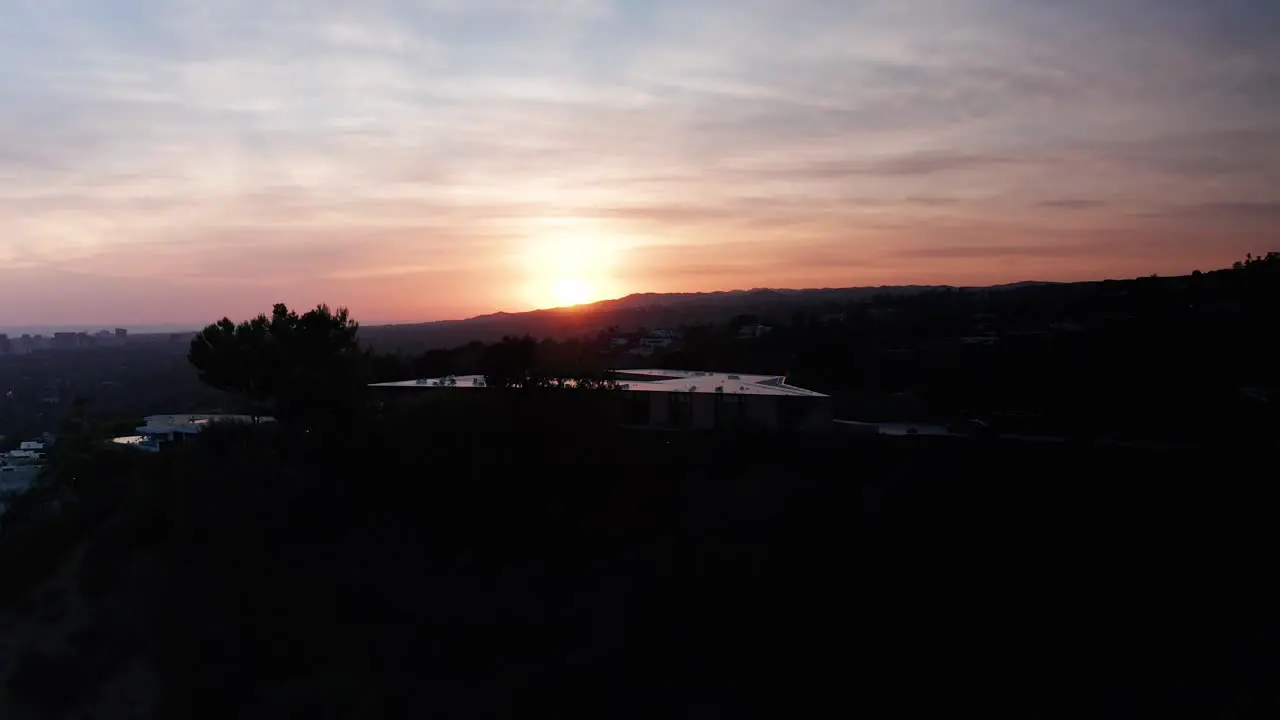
x,y
298,363
512,364
1270,260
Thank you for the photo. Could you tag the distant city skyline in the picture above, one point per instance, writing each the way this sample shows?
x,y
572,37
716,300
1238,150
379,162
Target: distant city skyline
x,y
168,163
91,328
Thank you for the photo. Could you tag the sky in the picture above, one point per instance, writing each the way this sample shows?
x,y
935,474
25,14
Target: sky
x,y
175,161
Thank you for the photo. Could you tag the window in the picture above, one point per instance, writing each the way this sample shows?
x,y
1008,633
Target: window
x,y
637,412
681,409
791,413
730,410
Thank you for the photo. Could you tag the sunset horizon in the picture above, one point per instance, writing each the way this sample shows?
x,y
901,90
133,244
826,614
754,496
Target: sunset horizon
x,y
177,326
172,163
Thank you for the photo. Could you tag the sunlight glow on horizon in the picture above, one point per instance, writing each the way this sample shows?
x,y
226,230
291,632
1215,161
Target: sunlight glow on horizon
x,y
569,261
174,162
573,291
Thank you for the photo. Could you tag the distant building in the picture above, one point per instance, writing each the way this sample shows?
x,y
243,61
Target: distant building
x,y
159,429
753,332
122,335
27,452
15,480
65,341
6,346
655,342
28,344
675,399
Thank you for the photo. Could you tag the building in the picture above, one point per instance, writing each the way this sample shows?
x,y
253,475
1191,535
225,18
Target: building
x,y
753,332
159,429
27,344
15,480
27,451
675,399
6,346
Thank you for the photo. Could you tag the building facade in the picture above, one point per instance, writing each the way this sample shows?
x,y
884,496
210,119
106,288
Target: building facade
x,y
662,399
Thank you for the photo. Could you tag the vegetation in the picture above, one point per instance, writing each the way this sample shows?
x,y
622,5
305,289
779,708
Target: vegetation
x,y
361,560
1172,360
299,364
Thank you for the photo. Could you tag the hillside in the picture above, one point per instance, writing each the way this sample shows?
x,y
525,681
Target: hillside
x,y
651,310
372,574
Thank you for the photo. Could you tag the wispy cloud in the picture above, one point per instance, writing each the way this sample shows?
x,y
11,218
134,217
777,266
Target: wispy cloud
x,y
1068,204
406,156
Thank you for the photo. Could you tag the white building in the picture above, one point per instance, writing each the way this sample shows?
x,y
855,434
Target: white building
x,y
682,399
158,429
751,332
28,451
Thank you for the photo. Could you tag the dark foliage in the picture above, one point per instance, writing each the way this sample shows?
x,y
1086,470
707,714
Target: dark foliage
x,y
423,568
535,559
296,365
1173,360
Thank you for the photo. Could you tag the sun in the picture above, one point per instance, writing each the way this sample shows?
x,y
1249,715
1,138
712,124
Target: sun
x,y
569,291
565,262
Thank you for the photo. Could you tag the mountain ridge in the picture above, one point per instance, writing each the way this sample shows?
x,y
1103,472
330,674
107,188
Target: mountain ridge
x,y
632,301
633,311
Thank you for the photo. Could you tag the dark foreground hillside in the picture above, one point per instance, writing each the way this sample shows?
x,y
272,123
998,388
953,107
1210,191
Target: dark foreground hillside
x,y
414,569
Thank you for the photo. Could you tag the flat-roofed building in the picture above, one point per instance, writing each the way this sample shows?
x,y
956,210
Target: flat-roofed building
x,y
157,429
679,399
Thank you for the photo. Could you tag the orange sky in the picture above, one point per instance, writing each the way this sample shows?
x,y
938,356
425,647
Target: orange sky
x,y
173,162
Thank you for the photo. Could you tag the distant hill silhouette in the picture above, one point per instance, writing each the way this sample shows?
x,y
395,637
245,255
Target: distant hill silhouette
x,y
641,310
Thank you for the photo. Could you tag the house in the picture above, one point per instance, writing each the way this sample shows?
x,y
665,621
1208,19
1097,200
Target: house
x,y
157,429
28,451
670,399
15,480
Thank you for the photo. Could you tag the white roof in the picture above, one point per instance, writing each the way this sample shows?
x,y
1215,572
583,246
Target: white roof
x,y
709,382
653,380
192,423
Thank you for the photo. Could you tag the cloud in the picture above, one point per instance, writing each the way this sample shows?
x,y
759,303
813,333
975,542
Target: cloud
x,y
992,252
1240,211
1069,204
1263,210
345,146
